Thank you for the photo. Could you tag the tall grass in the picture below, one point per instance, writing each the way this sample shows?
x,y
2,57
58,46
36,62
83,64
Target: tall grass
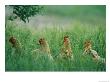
x,y
25,60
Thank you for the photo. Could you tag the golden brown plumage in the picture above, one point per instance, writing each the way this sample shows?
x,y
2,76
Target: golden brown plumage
x,y
14,42
88,50
66,51
44,47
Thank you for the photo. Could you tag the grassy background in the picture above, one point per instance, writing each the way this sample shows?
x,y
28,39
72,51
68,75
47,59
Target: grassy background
x,y
88,23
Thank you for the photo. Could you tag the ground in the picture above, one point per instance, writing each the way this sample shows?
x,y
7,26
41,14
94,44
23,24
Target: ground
x,y
80,23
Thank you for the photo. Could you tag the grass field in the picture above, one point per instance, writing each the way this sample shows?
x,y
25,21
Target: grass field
x,y
87,23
